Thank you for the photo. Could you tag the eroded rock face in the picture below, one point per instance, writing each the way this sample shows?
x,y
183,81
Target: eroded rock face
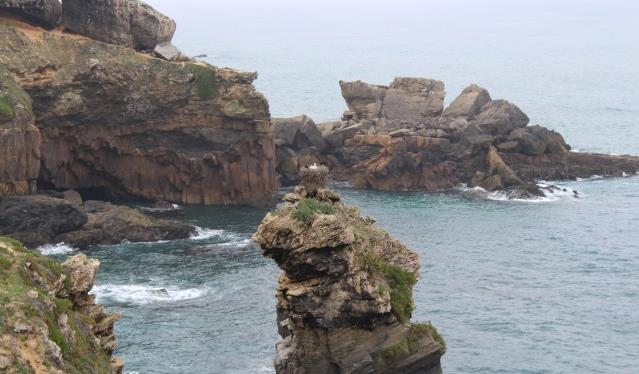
x,y
130,125
47,13
50,322
123,22
344,300
19,140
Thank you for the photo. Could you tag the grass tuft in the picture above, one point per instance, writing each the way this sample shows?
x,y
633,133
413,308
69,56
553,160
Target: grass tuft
x,y
205,80
6,108
413,341
306,210
400,283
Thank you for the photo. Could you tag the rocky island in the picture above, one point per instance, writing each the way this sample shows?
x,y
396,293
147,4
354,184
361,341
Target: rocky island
x,y
344,300
401,137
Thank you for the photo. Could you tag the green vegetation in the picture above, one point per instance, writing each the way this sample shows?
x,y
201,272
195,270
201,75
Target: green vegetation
x,y
306,210
6,107
413,341
205,80
399,281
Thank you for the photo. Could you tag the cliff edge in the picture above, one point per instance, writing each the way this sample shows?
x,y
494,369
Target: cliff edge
x,y
48,321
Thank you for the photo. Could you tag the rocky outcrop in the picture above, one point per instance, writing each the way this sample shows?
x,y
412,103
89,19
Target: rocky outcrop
x,y
39,219
123,22
46,13
400,138
19,140
298,143
48,321
123,124
344,300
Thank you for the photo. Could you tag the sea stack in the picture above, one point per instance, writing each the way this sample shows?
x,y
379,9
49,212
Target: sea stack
x,y
344,300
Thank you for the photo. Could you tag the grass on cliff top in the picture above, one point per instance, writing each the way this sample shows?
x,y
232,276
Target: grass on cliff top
x,y
412,341
400,284
306,210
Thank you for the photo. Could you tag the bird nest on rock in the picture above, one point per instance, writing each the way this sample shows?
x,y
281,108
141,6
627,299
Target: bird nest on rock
x,y
313,177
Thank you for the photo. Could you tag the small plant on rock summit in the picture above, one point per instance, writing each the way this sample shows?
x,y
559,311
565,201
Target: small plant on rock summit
x,y
306,210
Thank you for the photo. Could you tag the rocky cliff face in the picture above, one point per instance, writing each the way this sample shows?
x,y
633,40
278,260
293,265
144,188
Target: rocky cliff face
x,y
48,321
19,140
344,301
122,123
46,13
400,137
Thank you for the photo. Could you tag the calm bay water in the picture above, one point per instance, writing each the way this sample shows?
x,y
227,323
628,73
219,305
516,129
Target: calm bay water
x,y
515,287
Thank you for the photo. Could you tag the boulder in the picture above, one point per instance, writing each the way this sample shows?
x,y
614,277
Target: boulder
x,y
529,143
82,271
554,141
298,133
500,117
19,140
37,220
336,138
469,103
46,13
123,22
364,100
412,100
169,52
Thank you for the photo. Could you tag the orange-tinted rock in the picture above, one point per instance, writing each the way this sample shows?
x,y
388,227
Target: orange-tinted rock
x,y
19,140
127,124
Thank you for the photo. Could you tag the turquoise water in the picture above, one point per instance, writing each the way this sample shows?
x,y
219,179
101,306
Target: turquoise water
x,y
515,287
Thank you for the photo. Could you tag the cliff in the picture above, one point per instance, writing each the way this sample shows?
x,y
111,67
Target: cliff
x,y
120,123
402,137
48,321
344,300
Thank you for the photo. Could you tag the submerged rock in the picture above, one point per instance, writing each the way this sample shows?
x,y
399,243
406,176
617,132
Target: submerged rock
x,y
344,300
56,325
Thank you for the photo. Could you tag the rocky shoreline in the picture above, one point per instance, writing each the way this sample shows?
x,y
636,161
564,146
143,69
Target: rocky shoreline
x,y
48,321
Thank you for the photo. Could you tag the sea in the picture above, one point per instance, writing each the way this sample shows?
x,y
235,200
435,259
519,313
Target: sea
x,y
549,285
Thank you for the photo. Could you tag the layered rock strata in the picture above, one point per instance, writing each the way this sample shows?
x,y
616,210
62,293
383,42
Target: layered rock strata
x,y
400,137
124,124
344,300
48,321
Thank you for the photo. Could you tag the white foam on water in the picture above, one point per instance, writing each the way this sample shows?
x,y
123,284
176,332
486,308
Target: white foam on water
x,y
592,178
550,194
202,233
145,294
55,249
237,243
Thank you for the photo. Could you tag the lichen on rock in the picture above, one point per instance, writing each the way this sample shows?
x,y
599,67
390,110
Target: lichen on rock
x,y
48,321
344,300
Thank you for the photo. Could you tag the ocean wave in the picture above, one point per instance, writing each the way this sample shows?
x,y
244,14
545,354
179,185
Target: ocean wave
x,y
145,294
202,233
152,209
551,193
55,249
592,178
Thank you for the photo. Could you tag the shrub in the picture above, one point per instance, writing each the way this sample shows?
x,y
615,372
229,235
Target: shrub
x,y
6,107
399,281
306,210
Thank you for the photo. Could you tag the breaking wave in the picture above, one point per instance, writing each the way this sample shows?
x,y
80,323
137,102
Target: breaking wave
x,y
145,294
55,249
